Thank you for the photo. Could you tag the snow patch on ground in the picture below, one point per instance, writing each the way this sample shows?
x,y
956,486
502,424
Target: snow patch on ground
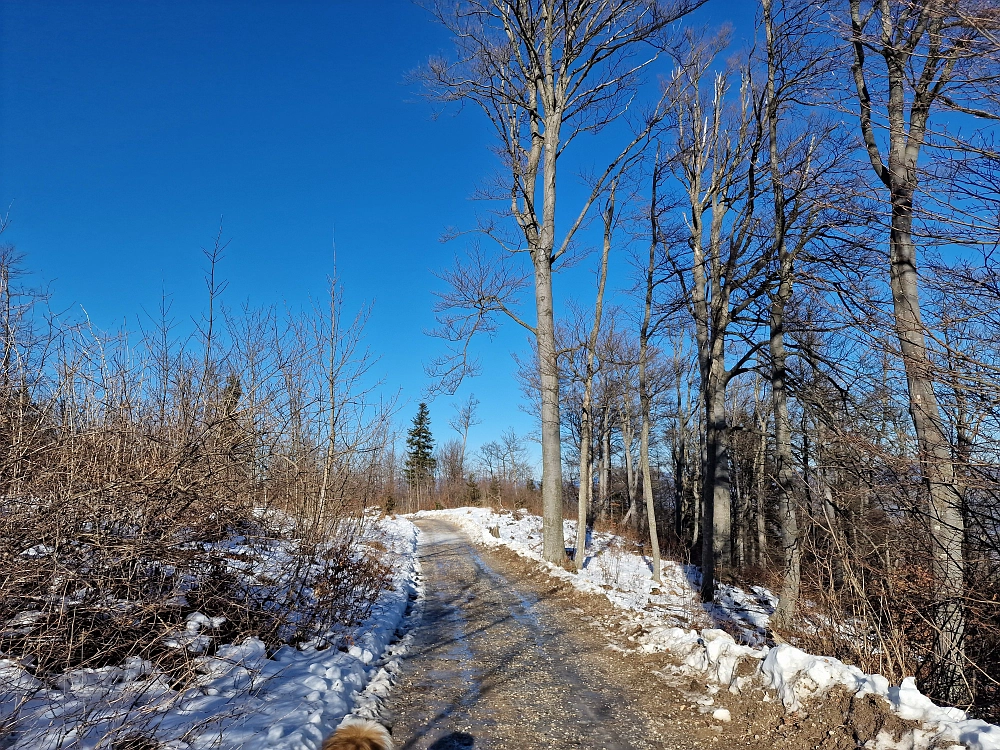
x,y
242,697
370,702
671,619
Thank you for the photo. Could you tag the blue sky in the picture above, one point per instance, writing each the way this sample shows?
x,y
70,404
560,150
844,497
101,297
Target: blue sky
x,y
127,129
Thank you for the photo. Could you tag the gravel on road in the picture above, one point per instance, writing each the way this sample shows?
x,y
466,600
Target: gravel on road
x,y
505,657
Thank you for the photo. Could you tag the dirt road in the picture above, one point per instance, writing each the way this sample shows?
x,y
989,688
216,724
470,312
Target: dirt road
x,y
506,657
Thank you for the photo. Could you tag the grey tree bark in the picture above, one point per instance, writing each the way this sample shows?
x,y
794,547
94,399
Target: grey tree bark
x,y
633,516
604,468
783,460
716,162
590,361
645,398
920,58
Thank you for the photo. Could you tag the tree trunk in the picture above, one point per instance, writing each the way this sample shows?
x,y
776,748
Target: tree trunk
x,y
554,543
760,509
586,482
679,455
760,483
947,526
907,123
686,488
586,419
784,475
740,508
644,394
783,460
716,529
628,437
604,469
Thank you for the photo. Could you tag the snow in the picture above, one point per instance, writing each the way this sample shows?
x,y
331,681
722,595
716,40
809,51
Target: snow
x,y
241,697
192,638
665,616
796,675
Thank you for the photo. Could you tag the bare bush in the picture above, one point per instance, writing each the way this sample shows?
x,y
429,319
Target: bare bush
x,y
161,495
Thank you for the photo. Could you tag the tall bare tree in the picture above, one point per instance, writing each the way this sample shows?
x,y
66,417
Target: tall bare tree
x,y
544,73
911,58
589,367
462,421
801,151
715,149
645,396
783,472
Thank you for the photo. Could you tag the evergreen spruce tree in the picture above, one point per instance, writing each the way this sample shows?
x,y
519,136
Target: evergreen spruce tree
x,y
420,461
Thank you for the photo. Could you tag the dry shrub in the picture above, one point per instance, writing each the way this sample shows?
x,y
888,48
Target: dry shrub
x,y
870,602
144,482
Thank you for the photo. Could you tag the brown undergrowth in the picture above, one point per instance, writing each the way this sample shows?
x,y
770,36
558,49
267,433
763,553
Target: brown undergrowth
x,y
161,495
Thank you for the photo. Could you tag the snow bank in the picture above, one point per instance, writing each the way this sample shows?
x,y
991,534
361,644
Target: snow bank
x,y
242,697
798,676
624,577
712,653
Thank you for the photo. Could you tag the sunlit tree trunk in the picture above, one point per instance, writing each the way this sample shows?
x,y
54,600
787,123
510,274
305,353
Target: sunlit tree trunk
x,y
586,417
645,398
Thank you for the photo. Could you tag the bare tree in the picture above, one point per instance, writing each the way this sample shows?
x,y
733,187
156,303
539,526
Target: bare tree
x,y
714,152
544,73
645,398
450,464
505,460
684,437
463,420
589,365
801,150
784,474
910,58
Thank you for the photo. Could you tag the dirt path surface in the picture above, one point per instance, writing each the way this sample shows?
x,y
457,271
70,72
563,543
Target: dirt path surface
x,y
507,657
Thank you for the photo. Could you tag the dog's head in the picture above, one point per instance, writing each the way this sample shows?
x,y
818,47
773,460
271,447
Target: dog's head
x,y
359,734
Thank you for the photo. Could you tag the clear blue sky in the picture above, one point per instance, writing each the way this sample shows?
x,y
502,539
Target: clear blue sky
x,y
128,128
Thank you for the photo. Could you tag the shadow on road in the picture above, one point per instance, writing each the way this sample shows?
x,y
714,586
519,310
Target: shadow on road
x,y
454,741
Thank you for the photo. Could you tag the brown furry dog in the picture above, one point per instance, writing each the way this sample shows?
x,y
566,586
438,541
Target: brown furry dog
x,y
359,734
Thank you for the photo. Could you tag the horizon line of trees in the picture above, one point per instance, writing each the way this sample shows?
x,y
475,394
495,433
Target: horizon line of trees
x,y
441,475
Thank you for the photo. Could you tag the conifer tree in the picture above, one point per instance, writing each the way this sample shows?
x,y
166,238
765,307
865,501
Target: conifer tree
x,y
420,461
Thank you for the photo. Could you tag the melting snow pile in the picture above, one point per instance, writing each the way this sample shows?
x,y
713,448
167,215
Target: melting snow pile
x,y
667,614
242,696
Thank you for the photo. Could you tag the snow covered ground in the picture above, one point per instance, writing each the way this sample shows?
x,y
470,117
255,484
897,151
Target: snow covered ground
x,y
242,696
670,618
